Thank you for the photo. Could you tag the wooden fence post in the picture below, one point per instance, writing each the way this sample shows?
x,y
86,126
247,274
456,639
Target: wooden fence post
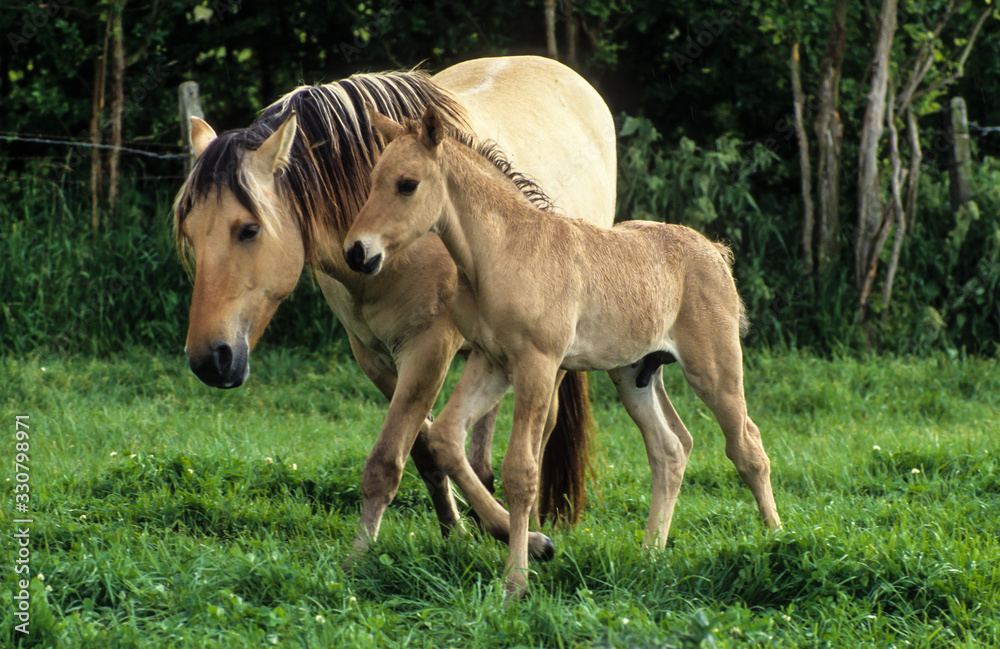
x,y
190,106
960,165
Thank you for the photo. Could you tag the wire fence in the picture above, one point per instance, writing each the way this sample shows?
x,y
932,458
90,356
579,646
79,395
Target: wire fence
x,y
90,145
172,152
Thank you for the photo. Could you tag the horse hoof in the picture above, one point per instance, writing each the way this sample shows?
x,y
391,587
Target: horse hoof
x,y
541,548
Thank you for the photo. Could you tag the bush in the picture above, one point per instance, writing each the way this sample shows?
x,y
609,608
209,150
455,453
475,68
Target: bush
x,y
65,289
947,290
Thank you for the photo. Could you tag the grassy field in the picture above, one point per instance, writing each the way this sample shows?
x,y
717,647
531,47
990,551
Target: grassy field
x,y
168,514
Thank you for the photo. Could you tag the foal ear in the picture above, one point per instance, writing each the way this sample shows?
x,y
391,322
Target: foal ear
x,y
432,128
273,155
384,126
201,135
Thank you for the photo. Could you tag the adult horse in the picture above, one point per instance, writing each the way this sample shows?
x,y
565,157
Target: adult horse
x,y
265,201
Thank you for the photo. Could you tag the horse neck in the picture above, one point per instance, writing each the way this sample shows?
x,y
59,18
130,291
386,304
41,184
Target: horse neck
x,y
481,206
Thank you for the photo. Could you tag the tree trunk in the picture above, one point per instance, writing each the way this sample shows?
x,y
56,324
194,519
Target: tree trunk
x,y
572,35
913,178
96,112
871,233
805,167
550,29
898,174
117,103
829,137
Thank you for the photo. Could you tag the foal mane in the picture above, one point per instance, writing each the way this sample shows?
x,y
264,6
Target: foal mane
x,y
327,179
491,151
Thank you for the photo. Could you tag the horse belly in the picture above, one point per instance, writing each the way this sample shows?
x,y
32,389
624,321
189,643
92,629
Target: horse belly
x,y
605,348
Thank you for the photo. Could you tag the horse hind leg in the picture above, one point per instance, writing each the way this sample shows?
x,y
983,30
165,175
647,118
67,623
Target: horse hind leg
x,y
667,442
481,447
713,367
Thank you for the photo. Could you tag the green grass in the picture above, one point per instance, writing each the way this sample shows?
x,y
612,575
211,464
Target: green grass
x,y
170,514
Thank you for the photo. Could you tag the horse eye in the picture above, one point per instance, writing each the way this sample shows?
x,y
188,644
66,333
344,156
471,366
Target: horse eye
x,y
248,232
406,187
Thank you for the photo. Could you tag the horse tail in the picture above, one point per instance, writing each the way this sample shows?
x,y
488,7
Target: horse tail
x,y
566,459
729,258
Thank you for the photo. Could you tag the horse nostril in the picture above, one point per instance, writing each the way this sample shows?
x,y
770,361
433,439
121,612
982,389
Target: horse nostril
x,y
373,266
222,354
355,256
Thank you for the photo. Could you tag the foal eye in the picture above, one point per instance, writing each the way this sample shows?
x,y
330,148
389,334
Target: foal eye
x,y
406,187
248,232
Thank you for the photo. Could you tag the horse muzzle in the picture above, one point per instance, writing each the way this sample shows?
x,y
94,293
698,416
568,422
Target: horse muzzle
x,y
223,366
358,260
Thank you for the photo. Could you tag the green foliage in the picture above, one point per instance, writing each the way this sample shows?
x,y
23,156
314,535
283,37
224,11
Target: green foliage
x,y
64,288
950,296
711,78
208,518
687,184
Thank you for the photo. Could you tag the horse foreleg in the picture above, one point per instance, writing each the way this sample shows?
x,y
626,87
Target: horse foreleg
x,y
479,389
667,442
534,385
422,366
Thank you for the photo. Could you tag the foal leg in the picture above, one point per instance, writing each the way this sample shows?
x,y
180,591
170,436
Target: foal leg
x,y
713,366
422,365
534,384
667,442
479,389
550,425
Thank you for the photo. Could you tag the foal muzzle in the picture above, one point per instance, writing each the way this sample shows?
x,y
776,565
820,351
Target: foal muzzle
x,y
358,260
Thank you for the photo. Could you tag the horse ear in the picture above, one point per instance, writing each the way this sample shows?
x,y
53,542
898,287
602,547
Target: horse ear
x,y
384,126
432,127
201,135
273,155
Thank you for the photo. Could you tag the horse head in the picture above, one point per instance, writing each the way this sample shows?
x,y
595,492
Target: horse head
x,y
247,251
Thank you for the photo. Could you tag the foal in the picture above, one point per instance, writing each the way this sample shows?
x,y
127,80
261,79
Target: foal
x,y
540,295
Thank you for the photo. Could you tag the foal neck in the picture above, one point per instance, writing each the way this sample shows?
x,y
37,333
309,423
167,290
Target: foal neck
x,y
482,206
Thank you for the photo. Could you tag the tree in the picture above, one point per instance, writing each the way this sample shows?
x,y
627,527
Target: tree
x,y
923,77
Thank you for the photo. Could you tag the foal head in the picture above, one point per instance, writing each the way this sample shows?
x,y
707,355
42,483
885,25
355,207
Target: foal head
x,y
407,194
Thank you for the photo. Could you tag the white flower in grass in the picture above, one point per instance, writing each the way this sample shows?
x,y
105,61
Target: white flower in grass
x,y
915,471
114,453
876,448
269,460
83,517
320,619
295,467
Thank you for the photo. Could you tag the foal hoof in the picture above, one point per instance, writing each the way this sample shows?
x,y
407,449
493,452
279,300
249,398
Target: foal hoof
x,y
540,547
